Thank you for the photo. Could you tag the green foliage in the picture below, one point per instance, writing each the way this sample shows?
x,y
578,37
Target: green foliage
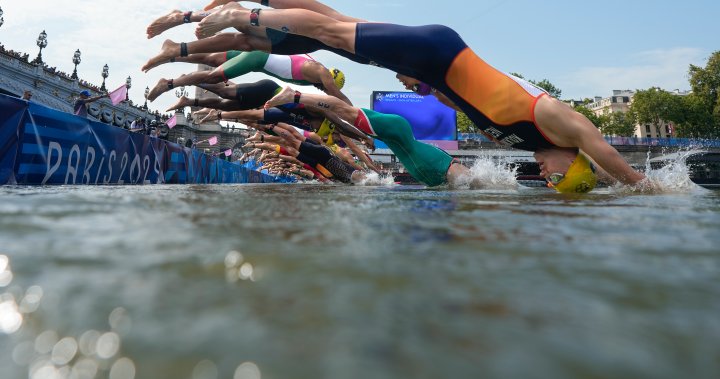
x,y
599,122
654,105
549,87
703,105
464,125
620,124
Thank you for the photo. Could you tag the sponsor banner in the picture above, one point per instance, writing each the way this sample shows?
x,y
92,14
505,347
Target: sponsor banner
x,y
12,113
39,145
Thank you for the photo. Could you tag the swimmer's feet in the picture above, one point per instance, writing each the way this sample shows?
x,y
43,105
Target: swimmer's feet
x,y
162,86
230,14
181,103
168,51
212,115
170,20
286,96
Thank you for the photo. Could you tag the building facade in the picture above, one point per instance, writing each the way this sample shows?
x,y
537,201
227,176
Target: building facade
x,y
620,101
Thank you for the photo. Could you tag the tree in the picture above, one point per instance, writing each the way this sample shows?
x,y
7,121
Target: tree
x,y
464,125
705,82
703,105
654,105
620,124
698,121
598,121
549,87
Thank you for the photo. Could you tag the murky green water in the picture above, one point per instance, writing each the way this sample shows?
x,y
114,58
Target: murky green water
x,y
357,282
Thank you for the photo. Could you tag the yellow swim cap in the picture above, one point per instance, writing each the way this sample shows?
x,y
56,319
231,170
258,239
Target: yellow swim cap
x,y
338,77
326,128
580,177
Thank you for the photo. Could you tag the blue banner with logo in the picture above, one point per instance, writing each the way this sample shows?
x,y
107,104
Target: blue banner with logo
x,y
39,145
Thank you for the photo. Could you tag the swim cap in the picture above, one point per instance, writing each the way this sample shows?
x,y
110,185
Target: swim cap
x,y
85,93
326,128
422,89
580,177
338,77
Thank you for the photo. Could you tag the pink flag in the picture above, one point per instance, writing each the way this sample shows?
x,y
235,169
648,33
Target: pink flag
x,y
213,141
228,152
172,121
118,95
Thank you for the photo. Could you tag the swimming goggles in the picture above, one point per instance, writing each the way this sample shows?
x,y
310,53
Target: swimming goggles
x,y
555,179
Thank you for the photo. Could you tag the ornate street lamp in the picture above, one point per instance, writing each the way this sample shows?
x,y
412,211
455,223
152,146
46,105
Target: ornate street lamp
x,y
105,74
147,93
180,92
76,61
128,84
42,43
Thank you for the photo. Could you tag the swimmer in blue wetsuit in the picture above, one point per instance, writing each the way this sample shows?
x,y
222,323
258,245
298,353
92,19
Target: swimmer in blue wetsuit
x,y
514,112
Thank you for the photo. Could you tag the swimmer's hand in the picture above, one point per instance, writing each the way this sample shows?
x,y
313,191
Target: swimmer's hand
x,y
369,143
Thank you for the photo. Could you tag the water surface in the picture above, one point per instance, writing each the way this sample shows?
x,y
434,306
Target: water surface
x,y
317,281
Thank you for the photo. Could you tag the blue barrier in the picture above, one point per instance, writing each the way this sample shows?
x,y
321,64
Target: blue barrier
x,y
39,145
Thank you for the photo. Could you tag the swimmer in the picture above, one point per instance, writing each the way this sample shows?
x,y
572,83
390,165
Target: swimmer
x,y
298,69
316,156
426,163
249,38
233,97
528,119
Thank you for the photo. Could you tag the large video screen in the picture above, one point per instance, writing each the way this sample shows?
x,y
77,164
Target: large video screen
x,y
430,119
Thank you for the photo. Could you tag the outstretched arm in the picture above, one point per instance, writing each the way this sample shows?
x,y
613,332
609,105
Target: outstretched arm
x,y
359,153
609,160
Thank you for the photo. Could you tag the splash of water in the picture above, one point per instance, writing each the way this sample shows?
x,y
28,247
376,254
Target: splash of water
x,y
375,179
672,177
489,173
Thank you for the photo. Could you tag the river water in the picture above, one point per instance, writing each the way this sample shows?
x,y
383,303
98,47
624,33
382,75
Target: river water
x,y
321,281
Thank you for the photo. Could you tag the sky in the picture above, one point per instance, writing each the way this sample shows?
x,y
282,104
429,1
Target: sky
x,y
586,49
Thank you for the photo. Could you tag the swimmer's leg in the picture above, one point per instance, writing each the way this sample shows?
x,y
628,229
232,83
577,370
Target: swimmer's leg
x,y
334,33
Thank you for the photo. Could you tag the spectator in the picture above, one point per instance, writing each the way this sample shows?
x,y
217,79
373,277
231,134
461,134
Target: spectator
x,y
27,95
80,106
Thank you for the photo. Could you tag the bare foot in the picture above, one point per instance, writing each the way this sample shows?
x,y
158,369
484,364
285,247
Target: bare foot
x,y
229,14
181,103
201,112
286,96
216,3
160,88
168,51
170,20
212,115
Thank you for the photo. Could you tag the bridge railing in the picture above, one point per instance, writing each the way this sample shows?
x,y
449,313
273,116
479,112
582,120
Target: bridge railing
x,y
628,141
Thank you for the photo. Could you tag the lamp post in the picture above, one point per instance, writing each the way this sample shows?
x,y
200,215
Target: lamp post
x,y
41,43
76,60
180,92
105,74
147,93
128,84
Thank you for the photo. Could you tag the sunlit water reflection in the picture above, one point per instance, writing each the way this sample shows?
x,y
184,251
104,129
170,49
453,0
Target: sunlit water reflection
x,y
317,281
